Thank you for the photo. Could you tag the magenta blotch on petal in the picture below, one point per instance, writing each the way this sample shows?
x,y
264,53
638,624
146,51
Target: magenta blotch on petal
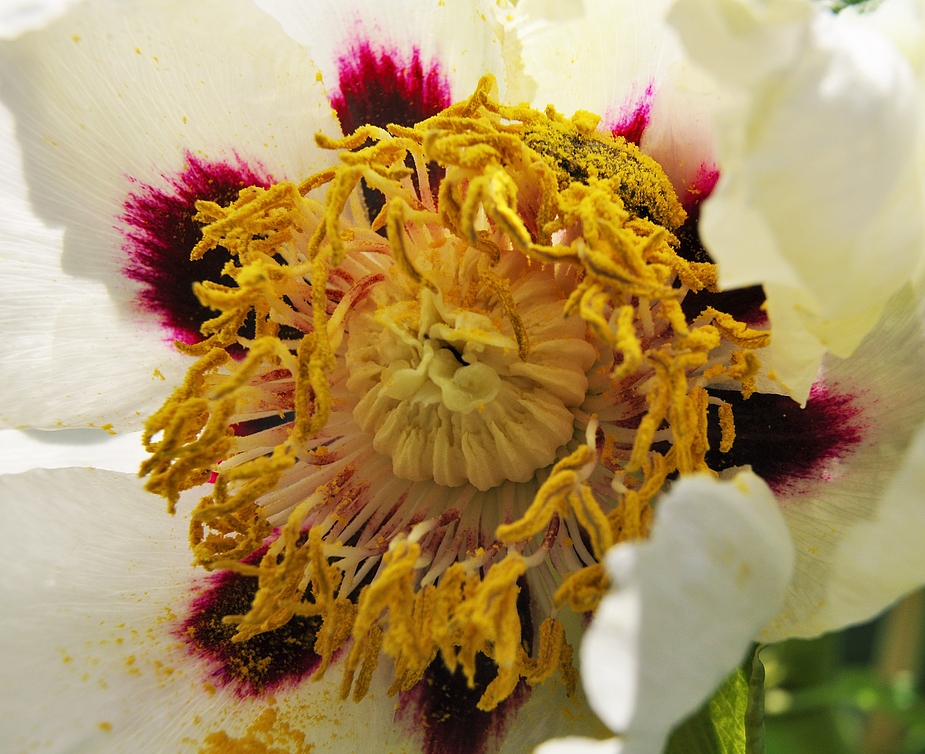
x,y
444,708
785,445
385,86
700,188
632,118
380,87
264,663
160,231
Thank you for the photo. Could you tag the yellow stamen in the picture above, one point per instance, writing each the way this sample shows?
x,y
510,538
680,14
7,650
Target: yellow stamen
x,y
542,282
727,425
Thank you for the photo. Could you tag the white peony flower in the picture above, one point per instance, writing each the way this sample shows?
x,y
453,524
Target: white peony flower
x,y
425,405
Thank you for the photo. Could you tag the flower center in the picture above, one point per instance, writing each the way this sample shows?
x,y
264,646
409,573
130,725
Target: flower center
x,y
472,382
483,387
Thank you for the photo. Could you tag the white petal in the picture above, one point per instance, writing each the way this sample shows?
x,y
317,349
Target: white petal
x,y
95,575
795,354
580,746
96,581
903,21
882,559
685,606
54,371
456,35
39,449
18,16
820,195
679,135
742,41
550,712
601,60
857,524
111,97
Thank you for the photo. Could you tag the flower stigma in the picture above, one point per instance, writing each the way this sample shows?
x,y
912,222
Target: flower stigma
x,y
467,398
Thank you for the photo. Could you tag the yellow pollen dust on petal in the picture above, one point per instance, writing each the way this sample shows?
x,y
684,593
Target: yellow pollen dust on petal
x,y
473,393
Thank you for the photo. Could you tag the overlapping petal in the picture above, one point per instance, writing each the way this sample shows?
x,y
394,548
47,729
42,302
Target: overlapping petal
x,y
90,658
857,521
820,198
96,584
18,16
21,450
110,99
712,572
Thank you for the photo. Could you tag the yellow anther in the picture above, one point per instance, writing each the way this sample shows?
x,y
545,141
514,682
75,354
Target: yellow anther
x,y
628,343
357,139
334,632
696,424
727,425
744,367
549,653
737,332
496,193
564,491
671,311
317,181
489,618
582,590
659,399
255,478
502,290
370,661
244,215
395,221
392,592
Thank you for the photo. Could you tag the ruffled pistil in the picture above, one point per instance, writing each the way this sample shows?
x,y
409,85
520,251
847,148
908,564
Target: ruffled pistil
x,y
472,395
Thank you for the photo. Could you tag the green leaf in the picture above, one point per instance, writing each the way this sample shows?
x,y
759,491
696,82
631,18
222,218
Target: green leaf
x,y
731,722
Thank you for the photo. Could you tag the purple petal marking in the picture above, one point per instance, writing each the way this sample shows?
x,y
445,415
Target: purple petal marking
x,y
385,86
632,118
257,667
160,233
443,708
791,448
382,86
700,188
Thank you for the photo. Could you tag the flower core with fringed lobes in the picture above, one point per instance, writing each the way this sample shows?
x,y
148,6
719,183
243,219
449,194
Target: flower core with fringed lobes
x,y
463,400
472,380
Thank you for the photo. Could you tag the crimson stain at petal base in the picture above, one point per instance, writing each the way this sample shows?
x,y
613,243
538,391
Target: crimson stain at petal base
x,y
160,233
785,445
259,666
633,118
444,708
385,87
700,188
